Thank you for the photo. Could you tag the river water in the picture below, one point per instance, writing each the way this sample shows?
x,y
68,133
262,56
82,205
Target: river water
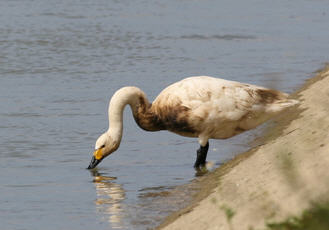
x,y
60,62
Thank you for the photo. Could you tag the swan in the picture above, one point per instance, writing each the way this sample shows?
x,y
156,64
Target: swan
x,y
202,107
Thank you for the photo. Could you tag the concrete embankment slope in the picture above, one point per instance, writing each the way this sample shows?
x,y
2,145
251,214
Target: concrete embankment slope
x,y
279,178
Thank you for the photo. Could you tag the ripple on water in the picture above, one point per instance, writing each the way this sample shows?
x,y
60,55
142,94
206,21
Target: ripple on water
x,y
227,37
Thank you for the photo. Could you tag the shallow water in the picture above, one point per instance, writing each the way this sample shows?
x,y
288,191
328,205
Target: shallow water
x,y
60,61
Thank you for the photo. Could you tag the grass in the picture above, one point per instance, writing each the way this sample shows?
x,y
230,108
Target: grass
x,y
315,218
229,213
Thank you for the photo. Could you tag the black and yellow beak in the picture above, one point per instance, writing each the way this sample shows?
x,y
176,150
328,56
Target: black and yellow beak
x,y
96,159
93,163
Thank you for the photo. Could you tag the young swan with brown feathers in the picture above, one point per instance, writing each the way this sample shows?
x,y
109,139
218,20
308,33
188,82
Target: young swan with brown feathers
x,y
202,107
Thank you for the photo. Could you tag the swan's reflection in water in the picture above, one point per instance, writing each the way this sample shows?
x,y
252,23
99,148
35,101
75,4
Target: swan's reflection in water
x,y
150,208
109,198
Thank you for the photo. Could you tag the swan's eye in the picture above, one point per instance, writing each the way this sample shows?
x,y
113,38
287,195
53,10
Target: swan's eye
x,y
103,146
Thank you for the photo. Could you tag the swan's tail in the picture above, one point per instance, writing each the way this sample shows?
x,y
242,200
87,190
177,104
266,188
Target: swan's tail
x,y
280,105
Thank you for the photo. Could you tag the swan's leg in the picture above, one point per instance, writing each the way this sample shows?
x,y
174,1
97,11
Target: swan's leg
x,y
201,156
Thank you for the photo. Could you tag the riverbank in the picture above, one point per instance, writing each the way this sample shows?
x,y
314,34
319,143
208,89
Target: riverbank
x,y
280,178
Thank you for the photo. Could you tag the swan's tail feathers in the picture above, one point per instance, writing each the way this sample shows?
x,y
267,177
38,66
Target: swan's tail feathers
x,y
280,105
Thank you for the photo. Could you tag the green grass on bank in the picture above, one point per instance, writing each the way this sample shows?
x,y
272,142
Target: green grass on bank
x,y
315,218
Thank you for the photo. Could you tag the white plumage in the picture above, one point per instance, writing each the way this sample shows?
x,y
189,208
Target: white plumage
x,y
202,107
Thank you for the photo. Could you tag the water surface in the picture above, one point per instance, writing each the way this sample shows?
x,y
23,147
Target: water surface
x,y
60,61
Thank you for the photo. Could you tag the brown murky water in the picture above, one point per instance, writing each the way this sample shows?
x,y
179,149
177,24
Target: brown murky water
x,y
60,61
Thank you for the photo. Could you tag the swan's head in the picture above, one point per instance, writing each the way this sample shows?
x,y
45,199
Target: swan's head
x,y
105,145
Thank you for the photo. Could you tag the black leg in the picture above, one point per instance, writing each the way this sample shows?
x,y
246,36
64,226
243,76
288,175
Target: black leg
x,y
201,156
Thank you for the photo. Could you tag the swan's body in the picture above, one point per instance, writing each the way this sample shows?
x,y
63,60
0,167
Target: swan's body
x,y
202,107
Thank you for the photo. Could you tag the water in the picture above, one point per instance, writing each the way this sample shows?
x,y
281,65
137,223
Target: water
x,y
60,61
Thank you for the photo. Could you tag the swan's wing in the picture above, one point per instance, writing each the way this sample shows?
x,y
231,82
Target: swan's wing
x,y
217,99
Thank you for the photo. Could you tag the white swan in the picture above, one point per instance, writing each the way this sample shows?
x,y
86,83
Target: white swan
x,y
202,107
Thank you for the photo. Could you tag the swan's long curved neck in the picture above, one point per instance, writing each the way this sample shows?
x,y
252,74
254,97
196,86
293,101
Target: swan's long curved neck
x,y
132,96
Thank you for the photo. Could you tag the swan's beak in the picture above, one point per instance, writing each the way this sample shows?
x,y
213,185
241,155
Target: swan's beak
x,y
97,158
94,162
